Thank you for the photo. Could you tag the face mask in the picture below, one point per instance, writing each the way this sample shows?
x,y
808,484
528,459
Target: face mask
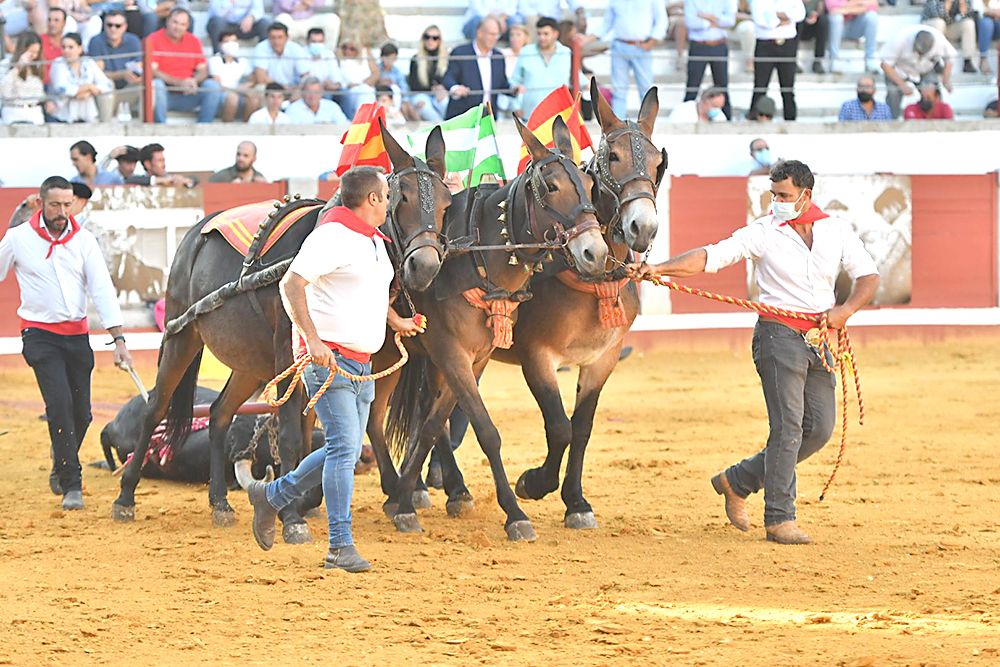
x,y
763,156
925,104
714,113
784,211
230,49
316,49
865,97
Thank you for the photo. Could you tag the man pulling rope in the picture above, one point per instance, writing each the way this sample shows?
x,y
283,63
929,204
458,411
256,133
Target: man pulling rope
x,y
798,252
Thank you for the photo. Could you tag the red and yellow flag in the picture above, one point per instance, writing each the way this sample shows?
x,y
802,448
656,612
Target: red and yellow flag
x,y
559,102
363,141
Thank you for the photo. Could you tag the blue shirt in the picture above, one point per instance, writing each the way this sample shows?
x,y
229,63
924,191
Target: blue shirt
x,y
99,49
395,75
538,76
700,30
234,11
635,20
852,110
550,8
102,178
328,112
285,69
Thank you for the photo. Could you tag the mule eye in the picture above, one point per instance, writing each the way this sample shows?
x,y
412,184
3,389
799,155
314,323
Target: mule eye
x,y
552,187
613,157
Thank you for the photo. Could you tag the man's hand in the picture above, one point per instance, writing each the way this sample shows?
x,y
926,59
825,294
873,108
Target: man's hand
x,y
647,44
190,86
812,18
246,25
321,354
639,270
123,358
459,91
907,89
837,316
520,90
407,327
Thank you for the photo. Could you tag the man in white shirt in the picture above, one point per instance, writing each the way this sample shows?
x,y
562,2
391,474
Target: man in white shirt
x,y
271,114
777,46
706,109
915,52
278,59
798,251
57,264
312,108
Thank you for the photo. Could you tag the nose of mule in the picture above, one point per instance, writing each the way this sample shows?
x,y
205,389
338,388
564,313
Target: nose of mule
x,y
420,268
640,226
592,257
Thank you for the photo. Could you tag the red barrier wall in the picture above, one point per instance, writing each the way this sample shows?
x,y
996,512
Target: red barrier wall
x,y
220,196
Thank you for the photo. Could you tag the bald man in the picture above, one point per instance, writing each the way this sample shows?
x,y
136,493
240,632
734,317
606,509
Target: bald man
x,y
242,170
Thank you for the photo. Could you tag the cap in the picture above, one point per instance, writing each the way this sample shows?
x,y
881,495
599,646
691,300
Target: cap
x,y
82,190
765,106
131,154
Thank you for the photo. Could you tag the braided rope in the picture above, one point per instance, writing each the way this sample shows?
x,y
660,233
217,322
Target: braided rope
x,y
296,369
843,357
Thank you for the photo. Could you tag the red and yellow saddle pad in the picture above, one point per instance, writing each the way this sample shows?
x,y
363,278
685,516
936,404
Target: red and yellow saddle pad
x,y
238,225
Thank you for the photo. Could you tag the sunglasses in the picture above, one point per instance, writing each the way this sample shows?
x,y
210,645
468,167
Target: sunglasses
x,y
114,25
431,38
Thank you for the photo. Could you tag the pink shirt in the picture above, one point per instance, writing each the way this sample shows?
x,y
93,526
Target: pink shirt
x,y
833,5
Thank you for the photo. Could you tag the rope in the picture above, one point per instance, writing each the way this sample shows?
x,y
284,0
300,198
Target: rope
x,y
844,358
296,369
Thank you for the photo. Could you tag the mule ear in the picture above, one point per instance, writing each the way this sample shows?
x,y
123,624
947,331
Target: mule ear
x,y
605,115
648,110
536,149
397,154
435,151
562,138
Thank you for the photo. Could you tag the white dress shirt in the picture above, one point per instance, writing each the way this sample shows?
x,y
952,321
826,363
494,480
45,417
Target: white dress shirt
x,y
485,63
54,290
766,21
789,274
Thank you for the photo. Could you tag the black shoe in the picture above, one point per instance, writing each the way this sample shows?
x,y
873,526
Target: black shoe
x,y
347,559
264,515
818,67
54,484
969,67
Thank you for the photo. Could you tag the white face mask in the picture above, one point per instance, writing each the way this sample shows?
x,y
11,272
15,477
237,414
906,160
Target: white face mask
x,y
784,211
231,48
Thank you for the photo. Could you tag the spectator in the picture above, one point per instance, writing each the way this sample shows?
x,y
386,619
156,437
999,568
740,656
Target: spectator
x,y
242,170
84,158
233,74
119,54
864,106
504,11
16,17
155,164
760,158
389,73
930,106
518,38
300,16
706,109
429,97
677,31
988,29
178,63
816,25
80,18
541,67
465,76
384,98
141,16
915,52
271,114
322,62
707,22
277,59
529,11
636,25
955,19
80,86
853,19
312,108
55,26
776,49
22,89
244,17
763,111
360,74
127,157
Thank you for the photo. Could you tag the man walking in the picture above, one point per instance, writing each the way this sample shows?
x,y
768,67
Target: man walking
x,y
342,268
799,251
57,264
636,26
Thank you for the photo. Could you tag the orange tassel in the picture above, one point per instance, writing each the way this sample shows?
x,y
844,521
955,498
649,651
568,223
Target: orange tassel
x,y
499,319
610,308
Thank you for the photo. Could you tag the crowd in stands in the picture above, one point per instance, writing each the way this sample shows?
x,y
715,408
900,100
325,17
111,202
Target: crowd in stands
x,y
302,61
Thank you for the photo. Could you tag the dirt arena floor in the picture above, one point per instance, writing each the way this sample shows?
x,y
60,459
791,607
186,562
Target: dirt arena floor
x,y
904,570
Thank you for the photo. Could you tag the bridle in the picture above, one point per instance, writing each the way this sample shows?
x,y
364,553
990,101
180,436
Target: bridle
x,y
426,235
600,168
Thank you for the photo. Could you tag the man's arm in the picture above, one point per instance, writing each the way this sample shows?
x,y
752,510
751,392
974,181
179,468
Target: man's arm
x,y
690,263
405,326
293,296
864,290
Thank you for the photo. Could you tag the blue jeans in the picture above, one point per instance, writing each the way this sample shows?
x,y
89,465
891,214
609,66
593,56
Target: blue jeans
x,y
343,411
206,101
987,28
625,57
863,25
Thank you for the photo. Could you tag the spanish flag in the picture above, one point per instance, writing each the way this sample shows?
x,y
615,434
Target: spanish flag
x,y
363,141
559,102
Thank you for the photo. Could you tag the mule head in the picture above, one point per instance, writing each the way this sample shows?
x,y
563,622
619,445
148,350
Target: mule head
x,y
562,205
418,203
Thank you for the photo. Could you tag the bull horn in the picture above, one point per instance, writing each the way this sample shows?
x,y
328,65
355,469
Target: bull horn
x,y
243,473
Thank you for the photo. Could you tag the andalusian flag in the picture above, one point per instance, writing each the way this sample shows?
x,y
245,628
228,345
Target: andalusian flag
x,y
559,102
470,142
363,141
487,160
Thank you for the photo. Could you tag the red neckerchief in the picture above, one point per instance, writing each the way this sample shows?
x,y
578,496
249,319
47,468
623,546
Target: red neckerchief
x,y
349,219
40,229
807,217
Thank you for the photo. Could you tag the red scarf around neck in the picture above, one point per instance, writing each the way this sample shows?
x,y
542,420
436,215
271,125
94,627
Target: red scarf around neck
x,y
40,229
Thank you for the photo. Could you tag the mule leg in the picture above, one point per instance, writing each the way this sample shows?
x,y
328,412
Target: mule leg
x,y
540,374
459,498
238,389
375,428
292,447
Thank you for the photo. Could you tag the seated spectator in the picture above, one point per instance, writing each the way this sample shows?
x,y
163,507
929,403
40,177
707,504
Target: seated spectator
x,y
242,171
55,26
764,111
155,164
322,62
466,64
504,11
988,29
760,158
234,76
853,19
955,19
84,158
384,98
389,73
312,108
271,114
244,17
914,52
277,59
745,32
707,108
178,63
864,106
518,38
127,157
428,96
360,74
119,54
542,66
299,16
22,89
16,17
81,88
816,26
930,106
80,18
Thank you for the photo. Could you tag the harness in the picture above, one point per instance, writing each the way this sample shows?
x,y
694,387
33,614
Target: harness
x,y
599,168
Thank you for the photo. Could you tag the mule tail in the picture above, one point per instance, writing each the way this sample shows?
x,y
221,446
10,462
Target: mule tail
x,y
181,407
408,407
108,449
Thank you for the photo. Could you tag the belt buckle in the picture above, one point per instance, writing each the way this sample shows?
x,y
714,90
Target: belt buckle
x,y
813,338
780,42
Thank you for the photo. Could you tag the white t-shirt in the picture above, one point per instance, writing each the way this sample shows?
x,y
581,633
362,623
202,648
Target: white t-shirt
x,y
229,74
262,117
348,291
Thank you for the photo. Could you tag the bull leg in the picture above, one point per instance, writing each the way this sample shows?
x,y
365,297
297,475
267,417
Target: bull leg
x,y
238,389
540,374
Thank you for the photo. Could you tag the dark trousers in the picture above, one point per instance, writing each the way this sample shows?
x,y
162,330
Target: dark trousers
x,y
769,55
62,366
820,31
216,25
715,56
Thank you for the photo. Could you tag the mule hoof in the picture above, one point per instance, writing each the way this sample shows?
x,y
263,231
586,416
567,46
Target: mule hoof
x,y
296,533
407,523
223,518
521,531
122,513
460,506
521,488
581,521
528,483
422,500
389,508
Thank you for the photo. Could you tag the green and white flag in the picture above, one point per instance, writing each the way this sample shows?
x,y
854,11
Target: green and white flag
x,y
470,143
487,159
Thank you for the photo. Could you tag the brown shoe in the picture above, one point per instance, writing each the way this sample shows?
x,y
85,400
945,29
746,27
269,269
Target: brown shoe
x,y
736,507
786,533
